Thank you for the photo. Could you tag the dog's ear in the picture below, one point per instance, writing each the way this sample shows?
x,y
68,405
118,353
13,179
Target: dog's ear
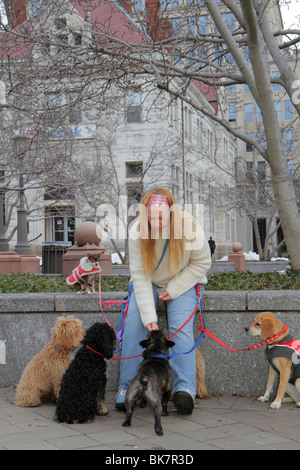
x,y
169,344
144,343
267,328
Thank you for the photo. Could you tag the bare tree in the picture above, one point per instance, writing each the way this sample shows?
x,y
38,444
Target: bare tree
x,y
226,57
153,53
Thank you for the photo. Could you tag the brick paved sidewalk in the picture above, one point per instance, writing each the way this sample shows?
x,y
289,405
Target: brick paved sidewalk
x,y
227,422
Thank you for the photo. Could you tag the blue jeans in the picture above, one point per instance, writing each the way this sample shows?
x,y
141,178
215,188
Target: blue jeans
x,y
184,365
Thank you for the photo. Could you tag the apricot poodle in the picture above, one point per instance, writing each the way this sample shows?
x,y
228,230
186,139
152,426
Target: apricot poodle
x,y
41,378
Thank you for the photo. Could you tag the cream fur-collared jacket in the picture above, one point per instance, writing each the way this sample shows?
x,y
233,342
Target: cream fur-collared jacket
x,y
192,268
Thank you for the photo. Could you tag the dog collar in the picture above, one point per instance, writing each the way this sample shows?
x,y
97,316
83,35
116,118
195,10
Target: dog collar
x,y
58,347
269,340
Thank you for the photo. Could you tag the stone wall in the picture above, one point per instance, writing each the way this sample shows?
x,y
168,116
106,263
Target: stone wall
x,y
26,321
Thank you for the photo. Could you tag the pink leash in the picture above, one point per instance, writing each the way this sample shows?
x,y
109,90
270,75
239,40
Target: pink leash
x,y
108,302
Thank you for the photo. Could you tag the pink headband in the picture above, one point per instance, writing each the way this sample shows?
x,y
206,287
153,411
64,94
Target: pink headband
x,y
158,200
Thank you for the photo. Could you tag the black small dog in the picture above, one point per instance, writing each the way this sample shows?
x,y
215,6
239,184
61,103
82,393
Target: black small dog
x,y
82,389
154,380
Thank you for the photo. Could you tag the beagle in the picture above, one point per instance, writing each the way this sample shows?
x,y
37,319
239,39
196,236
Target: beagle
x,y
283,355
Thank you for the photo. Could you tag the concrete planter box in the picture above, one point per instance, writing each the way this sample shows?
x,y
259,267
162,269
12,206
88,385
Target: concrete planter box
x,y
226,267
26,321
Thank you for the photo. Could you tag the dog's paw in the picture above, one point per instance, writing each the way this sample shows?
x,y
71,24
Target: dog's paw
x,y
275,405
102,410
298,404
159,431
27,404
126,423
203,395
263,398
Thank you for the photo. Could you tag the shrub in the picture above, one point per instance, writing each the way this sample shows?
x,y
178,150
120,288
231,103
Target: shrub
x,y
21,283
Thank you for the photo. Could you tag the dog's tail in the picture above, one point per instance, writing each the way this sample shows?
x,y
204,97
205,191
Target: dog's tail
x,y
144,380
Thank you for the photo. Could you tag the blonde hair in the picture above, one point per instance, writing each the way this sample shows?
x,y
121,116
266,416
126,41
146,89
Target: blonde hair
x,y
176,242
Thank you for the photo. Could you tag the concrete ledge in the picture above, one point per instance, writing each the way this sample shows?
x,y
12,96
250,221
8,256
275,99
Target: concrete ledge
x,y
26,321
82,303
21,303
226,267
225,301
282,300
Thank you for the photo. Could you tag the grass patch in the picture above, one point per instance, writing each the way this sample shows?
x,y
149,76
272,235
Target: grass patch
x,y
29,283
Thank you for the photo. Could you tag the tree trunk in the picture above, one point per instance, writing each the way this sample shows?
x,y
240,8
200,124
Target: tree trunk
x,y
289,215
281,178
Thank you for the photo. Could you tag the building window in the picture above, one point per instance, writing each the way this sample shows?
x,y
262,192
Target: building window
x,y
54,108
133,109
232,112
63,40
249,112
134,192
258,114
227,226
134,169
58,192
37,6
261,170
77,39
174,3
249,171
74,108
60,224
288,111
231,89
246,54
176,24
278,110
138,5
230,21
249,147
60,23
261,138
289,139
276,86
202,24
291,166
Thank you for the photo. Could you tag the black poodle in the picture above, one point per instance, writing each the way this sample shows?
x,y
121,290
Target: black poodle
x,y
82,389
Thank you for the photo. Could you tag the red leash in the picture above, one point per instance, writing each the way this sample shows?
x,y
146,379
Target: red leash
x,y
114,358
201,328
267,341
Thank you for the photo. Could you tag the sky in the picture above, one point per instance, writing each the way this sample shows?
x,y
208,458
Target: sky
x,y
291,13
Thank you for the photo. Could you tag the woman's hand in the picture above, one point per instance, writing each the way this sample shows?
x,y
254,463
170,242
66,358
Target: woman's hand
x,y
152,326
164,295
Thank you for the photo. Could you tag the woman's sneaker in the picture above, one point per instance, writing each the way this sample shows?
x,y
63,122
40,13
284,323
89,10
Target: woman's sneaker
x,y
120,399
184,403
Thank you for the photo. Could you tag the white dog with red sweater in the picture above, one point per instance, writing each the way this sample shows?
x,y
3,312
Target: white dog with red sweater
x,y
85,273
